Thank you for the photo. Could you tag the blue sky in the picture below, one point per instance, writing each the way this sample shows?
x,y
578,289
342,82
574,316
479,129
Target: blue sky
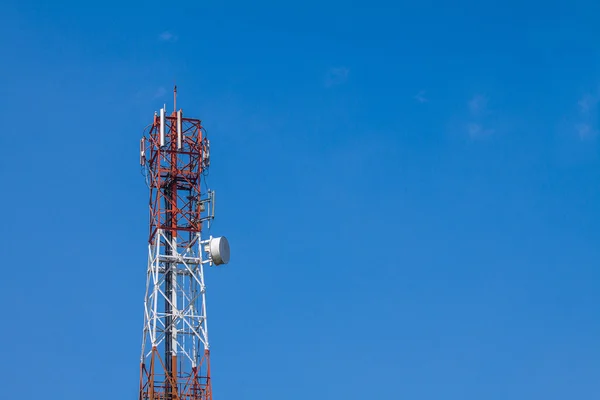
x,y
410,191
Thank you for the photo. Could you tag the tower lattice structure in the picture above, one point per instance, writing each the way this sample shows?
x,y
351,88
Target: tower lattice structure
x,y
175,359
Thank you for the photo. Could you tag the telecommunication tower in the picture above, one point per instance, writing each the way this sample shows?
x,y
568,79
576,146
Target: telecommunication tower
x,y
175,360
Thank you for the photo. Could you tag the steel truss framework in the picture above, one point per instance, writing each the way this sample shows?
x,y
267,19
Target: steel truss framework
x,y
175,361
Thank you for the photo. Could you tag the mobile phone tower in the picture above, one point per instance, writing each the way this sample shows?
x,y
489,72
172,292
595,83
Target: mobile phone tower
x,y
175,359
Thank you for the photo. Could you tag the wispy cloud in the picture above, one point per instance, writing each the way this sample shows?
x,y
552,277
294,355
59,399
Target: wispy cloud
x,y
336,76
587,103
477,130
160,92
478,110
585,131
478,104
420,97
586,126
167,36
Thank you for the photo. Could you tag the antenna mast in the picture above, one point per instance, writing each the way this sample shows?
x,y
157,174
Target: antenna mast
x,y
175,359
175,99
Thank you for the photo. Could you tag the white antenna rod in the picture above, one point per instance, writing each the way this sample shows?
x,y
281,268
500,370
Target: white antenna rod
x,y
142,151
179,133
162,127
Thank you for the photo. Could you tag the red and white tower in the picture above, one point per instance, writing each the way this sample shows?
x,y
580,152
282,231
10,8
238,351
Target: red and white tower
x,y
174,154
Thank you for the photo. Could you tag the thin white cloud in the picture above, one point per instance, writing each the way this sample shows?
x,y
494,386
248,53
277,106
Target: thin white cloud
x,y
587,126
478,110
476,130
336,76
587,103
420,97
160,92
478,104
167,36
585,131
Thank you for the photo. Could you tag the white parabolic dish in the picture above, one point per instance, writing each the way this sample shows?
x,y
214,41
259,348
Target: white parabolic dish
x,y
219,250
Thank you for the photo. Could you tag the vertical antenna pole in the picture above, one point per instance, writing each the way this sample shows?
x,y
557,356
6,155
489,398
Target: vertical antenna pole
x,y
175,99
162,127
179,134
